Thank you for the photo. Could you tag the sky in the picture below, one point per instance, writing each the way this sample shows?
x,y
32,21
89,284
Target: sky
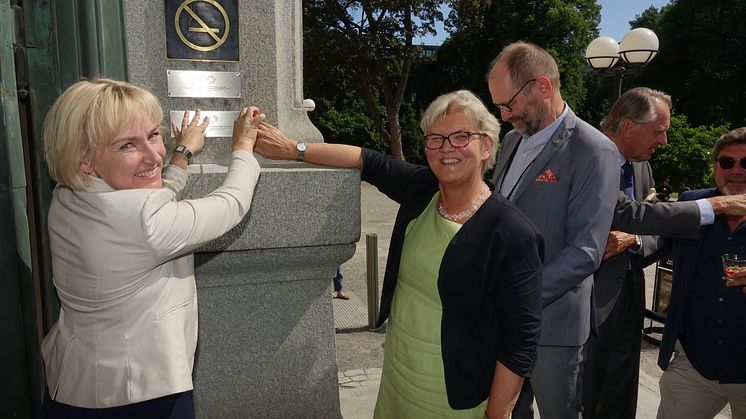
x,y
616,14
615,17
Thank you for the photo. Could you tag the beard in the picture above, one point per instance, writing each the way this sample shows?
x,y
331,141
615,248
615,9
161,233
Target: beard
x,y
532,120
734,184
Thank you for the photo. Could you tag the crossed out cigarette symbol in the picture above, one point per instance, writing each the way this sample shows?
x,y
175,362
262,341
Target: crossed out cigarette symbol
x,y
201,26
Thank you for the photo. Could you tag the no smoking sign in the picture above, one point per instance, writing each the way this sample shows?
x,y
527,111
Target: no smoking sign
x,y
202,30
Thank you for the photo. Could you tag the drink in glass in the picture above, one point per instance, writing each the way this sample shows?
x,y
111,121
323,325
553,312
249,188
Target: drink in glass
x,y
733,263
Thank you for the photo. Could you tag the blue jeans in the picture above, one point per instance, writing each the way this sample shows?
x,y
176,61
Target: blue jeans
x,y
338,280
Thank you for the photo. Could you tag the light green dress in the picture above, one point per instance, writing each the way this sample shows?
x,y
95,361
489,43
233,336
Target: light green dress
x,y
412,382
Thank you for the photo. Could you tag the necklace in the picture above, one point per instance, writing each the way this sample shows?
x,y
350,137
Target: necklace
x,y
467,212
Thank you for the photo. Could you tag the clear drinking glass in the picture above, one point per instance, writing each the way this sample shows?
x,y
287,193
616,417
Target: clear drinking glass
x,y
733,263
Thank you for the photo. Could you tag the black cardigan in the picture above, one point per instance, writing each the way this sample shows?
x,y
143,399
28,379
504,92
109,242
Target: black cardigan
x,y
489,281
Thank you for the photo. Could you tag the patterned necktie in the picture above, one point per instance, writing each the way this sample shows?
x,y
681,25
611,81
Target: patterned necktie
x,y
629,185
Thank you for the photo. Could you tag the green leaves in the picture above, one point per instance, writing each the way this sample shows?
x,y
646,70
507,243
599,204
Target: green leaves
x,y
365,51
702,59
687,159
481,28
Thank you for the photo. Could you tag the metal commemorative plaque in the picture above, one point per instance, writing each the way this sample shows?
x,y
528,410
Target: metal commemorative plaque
x,y
221,122
222,84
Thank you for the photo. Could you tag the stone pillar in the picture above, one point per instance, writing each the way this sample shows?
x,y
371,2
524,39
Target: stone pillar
x,y
266,342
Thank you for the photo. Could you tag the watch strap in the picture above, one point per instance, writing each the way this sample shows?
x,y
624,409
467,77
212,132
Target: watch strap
x,y
300,147
183,150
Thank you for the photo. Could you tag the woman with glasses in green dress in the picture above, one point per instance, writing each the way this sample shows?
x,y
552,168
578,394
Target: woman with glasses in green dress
x,y
462,288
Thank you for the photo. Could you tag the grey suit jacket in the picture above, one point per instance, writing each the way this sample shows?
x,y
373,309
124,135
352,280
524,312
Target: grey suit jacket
x,y
569,192
672,219
610,276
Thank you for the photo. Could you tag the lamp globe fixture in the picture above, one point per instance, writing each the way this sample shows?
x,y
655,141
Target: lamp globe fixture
x,y
639,46
602,53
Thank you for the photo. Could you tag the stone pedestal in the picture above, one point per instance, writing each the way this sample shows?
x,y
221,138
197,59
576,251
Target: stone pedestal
x,y
266,342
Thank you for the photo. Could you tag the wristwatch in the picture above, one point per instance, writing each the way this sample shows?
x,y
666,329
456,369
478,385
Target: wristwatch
x,y
638,242
183,150
300,146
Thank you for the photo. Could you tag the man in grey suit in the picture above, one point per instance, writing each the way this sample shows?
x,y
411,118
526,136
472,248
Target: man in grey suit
x,y
563,174
636,124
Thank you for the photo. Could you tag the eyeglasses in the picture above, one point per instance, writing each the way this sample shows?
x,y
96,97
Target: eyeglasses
x,y
506,106
727,163
457,139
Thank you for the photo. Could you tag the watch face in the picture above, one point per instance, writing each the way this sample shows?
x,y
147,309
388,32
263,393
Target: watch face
x,y
301,146
183,150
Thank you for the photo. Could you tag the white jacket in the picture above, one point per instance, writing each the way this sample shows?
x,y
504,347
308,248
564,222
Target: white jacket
x,y
127,329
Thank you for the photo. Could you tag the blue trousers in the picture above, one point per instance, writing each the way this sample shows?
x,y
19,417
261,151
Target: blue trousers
x,y
174,406
338,280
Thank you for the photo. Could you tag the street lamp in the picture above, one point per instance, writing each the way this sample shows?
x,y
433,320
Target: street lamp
x,y
637,49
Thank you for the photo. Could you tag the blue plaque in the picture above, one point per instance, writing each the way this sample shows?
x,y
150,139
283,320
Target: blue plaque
x,y
202,30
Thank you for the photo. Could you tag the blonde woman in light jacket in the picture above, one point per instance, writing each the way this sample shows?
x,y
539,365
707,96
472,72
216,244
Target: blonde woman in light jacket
x,y
121,245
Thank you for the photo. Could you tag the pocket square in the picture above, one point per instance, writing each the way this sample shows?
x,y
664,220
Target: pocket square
x,y
547,176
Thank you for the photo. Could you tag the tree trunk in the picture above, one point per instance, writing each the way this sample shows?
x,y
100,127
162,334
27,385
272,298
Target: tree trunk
x,y
395,135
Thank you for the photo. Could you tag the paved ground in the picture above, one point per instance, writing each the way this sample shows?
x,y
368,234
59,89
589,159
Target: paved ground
x,y
360,352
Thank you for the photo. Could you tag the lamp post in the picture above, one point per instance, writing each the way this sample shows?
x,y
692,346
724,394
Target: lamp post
x,y
637,49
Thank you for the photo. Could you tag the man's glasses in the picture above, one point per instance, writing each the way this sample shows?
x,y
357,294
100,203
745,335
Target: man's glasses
x,y
727,163
457,139
506,106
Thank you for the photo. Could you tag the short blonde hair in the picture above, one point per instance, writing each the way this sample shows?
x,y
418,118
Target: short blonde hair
x,y
87,116
470,105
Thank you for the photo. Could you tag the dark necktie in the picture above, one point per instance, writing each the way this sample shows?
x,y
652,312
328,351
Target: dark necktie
x,y
629,185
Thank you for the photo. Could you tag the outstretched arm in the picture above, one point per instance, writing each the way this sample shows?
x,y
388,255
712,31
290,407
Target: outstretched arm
x,y
680,219
175,228
273,144
728,204
672,219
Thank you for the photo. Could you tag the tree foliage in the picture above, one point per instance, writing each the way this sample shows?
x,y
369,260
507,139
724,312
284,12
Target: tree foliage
x,y
481,28
702,58
649,18
687,159
366,47
359,55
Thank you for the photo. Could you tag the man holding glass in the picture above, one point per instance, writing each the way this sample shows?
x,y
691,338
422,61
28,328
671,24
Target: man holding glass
x,y
706,316
637,124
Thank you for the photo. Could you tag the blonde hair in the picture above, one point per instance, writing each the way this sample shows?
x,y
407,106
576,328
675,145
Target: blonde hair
x,y
470,105
87,116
